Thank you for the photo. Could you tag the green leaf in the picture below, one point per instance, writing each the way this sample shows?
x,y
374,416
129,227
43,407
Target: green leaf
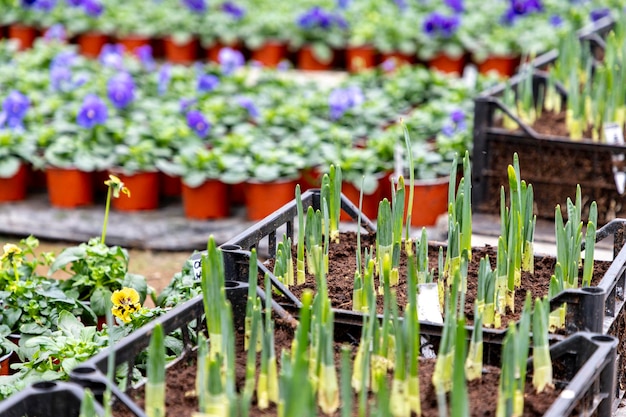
x,y
100,301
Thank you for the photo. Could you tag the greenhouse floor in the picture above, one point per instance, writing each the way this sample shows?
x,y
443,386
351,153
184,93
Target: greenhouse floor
x,y
167,229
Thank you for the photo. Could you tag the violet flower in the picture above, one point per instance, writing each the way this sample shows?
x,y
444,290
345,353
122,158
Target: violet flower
x,y
93,112
520,8
343,4
230,60
232,9
121,89
317,17
249,105
455,124
440,25
185,103
198,6
163,78
60,78
598,14
455,5
14,108
198,123
92,8
56,32
207,83
112,56
44,5
341,100
555,20
74,3
144,52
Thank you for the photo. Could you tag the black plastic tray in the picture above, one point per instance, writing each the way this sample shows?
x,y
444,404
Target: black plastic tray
x,y
46,399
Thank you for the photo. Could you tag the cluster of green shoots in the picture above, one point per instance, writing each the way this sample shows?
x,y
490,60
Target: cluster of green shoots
x,y
383,378
595,86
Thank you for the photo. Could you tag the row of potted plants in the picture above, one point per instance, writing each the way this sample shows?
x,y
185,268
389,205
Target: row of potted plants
x,y
228,122
317,29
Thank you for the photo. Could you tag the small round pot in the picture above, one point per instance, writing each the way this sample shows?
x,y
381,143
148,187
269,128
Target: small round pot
x,y
14,188
448,64
359,58
270,54
207,201
505,66
132,42
307,60
430,200
370,201
69,188
26,35
144,191
184,53
91,43
264,198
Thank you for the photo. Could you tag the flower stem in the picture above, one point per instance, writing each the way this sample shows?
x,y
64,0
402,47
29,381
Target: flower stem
x,y
106,215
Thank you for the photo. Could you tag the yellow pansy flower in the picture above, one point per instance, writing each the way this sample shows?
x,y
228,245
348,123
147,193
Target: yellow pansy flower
x,y
12,253
125,302
117,186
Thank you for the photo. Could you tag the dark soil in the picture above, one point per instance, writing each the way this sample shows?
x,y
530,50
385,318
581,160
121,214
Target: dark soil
x,y
181,400
342,264
553,168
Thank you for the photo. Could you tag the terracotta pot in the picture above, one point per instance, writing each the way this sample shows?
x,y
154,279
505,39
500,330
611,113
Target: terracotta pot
x,y
308,62
212,52
359,58
505,66
144,191
5,362
14,188
131,43
399,58
90,43
264,198
270,54
370,201
26,35
430,200
181,53
69,188
207,201
447,64
170,186
310,178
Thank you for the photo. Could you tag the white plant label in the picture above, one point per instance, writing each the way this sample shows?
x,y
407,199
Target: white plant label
x,y
613,134
398,161
196,260
470,75
428,307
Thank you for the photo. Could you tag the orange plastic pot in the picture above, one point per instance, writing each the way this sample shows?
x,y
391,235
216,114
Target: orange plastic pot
x,y
505,66
14,188
307,61
359,58
430,200
144,191
5,362
181,53
270,54
26,35
448,64
69,188
132,43
264,198
207,201
90,43
370,201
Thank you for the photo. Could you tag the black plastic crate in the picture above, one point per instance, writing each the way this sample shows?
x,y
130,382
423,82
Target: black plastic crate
x,y
585,361
554,165
46,399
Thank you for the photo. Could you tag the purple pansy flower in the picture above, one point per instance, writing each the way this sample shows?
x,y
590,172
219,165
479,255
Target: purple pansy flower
x,y
401,4
320,18
519,8
28,3
555,20
343,4
64,59
437,24
60,78
232,9
163,78
230,60
185,103
144,52
207,83
249,105
55,33
388,65
121,89
93,112
198,123
455,124
598,14
74,3
14,108
92,8
455,5
112,55
44,5
198,6
341,100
